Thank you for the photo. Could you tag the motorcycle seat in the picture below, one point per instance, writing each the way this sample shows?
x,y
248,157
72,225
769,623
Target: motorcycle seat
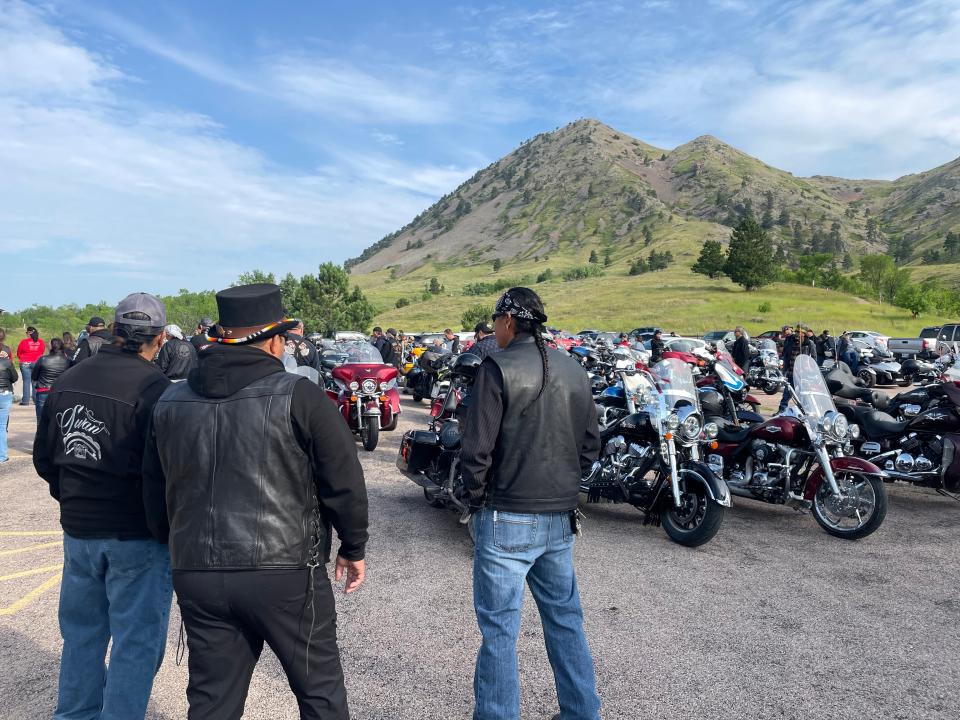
x,y
879,424
733,434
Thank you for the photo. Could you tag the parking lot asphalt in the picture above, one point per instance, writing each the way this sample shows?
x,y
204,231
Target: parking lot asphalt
x,y
772,619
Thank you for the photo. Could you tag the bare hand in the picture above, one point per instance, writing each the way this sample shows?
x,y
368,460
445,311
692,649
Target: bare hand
x,y
355,571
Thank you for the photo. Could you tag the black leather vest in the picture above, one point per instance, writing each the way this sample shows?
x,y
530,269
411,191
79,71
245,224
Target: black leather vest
x,y
536,461
240,489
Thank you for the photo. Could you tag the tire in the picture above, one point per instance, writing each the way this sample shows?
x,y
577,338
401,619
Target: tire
x,y
769,388
417,398
699,522
370,435
867,378
874,520
432,500
905,382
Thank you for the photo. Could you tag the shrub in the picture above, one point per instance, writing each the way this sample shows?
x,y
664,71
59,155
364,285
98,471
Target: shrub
x,y
764,308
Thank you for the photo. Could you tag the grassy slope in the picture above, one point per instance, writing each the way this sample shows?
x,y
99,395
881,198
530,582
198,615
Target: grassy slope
x,y
675,299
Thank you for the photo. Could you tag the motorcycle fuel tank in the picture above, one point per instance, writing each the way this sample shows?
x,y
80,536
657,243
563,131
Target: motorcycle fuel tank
x,y
784,429
936,420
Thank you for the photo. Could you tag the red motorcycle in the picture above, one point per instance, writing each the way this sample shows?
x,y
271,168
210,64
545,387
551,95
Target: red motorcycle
x,y
364,388
724,385
800,460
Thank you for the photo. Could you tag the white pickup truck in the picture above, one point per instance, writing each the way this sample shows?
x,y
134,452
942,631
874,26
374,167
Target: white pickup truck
x,y
932,342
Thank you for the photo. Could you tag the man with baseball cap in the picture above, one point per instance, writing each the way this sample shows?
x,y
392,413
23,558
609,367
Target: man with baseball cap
x,y
254,465
199,339
97,335
116,577
484,341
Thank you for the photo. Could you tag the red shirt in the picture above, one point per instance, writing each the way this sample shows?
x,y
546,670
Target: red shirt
x,y
29,351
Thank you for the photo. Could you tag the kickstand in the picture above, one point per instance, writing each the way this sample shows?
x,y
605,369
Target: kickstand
x,y
950,495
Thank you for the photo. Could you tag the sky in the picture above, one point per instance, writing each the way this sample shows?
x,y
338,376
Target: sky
x,y
157,146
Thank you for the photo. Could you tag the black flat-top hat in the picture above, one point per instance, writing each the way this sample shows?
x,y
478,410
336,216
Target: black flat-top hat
x,y
249,313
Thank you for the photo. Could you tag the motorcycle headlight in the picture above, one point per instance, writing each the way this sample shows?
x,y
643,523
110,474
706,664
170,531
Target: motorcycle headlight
x,y
841,426
711,430
672,422
692,427
369,386
826,424
354,385
384,386
854,431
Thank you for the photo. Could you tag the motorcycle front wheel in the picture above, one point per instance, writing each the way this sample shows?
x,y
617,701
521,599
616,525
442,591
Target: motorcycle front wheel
x,y
859,513
697,519
770,388
369,435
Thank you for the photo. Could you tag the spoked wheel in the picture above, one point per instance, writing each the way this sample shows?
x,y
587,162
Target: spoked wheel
x,y
867,377
858,512
697,519
769,388
431,497
369,435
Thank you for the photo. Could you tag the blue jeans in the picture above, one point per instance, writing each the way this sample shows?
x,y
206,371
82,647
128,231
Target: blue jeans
x,y
26,372
6,402
39,398
511,549
119,589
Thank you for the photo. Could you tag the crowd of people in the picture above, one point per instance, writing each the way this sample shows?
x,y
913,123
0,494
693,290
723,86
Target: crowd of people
x,y
227,487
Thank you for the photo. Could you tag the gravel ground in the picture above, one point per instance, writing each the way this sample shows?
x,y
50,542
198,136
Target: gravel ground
x,y
773,619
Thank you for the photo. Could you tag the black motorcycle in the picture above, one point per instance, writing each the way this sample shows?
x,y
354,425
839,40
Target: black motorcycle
x,y
923,450
650,458
431,457
428,377
846,388
765,370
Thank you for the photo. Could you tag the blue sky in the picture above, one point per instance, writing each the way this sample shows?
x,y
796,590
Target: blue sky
x,y
155,146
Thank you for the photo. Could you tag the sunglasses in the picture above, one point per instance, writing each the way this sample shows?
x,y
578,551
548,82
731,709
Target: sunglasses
x,y
496,315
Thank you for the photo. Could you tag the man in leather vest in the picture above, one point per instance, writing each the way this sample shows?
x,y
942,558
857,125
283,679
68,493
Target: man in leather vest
x,y
532,433
254,465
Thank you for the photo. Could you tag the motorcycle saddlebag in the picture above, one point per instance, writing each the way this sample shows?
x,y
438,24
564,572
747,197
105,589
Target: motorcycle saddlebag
x,y
418,449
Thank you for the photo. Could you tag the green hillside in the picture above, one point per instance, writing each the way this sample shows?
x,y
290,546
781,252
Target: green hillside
x,y
590,189
675,298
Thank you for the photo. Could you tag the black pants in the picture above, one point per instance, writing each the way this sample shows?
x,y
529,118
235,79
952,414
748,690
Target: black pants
x,y
229,615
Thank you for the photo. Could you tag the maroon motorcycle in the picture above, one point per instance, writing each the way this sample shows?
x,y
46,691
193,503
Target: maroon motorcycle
x,y
799,460
364,388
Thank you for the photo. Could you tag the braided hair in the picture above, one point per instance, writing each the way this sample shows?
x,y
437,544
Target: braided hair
x,y
531,321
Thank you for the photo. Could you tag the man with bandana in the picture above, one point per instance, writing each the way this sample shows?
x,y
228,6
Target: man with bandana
x,y
532,433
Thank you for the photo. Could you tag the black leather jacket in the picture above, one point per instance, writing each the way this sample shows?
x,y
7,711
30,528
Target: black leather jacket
x,y
49,368
528,454
8,375
176,359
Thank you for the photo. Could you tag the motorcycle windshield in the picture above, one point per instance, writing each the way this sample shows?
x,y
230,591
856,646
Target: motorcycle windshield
x,y
767,344
815,398
676,383
726,369
356,352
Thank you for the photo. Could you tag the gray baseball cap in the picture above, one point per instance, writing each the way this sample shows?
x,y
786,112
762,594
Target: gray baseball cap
x,y
141,310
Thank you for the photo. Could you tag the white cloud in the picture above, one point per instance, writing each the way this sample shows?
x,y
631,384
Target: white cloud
x,y
35,58
107,183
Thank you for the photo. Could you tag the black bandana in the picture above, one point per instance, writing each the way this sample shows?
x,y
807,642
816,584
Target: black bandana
x,y
508,305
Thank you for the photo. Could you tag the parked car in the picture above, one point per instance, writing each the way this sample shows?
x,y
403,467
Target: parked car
x,y
643,333
869,337
948,339
924,346
565,340
775,335
725,336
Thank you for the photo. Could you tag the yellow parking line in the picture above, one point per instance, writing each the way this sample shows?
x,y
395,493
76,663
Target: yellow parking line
x,y
28,533
28,548
35,571
29,597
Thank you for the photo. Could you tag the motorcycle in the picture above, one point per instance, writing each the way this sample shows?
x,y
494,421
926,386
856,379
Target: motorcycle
x,y
724,393
431,457
878,367
799,460
364,388
920,372
765,369
430,376
650,457
923,450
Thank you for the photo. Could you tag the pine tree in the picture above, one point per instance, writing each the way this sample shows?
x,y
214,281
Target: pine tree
x,y
784,219
711,261
749,258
